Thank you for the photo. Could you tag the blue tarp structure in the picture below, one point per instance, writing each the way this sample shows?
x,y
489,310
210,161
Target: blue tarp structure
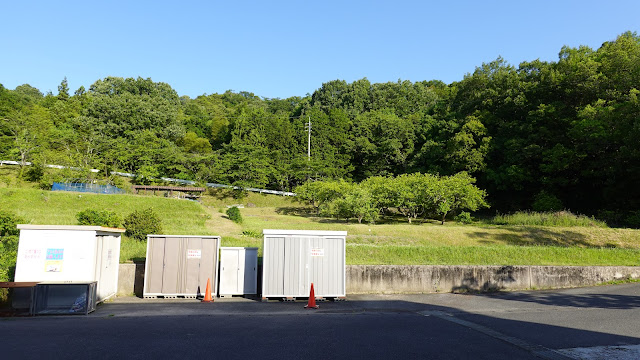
x,y
84,187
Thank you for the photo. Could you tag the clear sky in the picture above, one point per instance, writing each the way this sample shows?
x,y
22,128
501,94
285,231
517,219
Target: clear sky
x,y
289,48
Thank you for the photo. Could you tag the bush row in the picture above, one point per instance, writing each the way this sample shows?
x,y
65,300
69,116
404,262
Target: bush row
x,y
412,195
139,223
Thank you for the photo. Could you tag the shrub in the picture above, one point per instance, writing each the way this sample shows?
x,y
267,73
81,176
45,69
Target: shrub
x,y
8,222
34,173
546,202
252,233
141,223
234,214
612,218
633,219
559,218
8,248
8,255
99,218
464,218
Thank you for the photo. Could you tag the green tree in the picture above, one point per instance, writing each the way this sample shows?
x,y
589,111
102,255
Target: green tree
x,y
63,90
413,194
382,144
30,92
30,129
455,193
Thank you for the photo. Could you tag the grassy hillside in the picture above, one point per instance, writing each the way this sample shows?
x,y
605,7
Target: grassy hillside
x,y
60,208
479,244
179,217
389,243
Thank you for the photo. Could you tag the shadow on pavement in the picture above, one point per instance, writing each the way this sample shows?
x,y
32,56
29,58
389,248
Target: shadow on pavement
x,y
601,301
365,327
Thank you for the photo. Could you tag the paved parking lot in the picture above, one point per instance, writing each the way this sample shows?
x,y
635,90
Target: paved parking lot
x,y
588,323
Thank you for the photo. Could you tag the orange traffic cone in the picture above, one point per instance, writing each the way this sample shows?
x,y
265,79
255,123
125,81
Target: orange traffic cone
x,y
207,293
312,300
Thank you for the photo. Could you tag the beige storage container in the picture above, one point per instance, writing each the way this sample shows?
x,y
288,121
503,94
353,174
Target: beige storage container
x,y
180,265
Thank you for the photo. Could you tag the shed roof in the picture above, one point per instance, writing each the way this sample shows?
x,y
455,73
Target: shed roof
x,y
70,228
183,236
304,232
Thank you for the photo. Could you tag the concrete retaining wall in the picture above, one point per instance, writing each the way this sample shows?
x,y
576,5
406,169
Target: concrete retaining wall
x,y
385,279
435,278
131,279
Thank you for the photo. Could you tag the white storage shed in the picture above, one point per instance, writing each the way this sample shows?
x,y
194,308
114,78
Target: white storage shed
x,y
293,259
238,271
70,253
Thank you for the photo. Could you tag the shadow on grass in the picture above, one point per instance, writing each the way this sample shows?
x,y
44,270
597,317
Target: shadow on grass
x,y
297,211
531,236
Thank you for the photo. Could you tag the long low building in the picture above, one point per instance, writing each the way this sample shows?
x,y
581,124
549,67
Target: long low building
x,y
190,191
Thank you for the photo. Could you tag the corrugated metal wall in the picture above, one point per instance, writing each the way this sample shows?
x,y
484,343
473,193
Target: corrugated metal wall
x,y
327,272
238,271
273,266
180,265
107,258
292,263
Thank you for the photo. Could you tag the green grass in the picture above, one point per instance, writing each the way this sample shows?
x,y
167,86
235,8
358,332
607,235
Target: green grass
x,y
179,217
395,242
455,244
362,254
621,281
60,208
132,250
558,218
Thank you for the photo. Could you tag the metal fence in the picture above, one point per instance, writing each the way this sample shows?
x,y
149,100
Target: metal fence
x,y
130,175
88,188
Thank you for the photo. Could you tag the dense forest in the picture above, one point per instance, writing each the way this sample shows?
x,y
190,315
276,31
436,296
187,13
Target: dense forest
x,y
542,135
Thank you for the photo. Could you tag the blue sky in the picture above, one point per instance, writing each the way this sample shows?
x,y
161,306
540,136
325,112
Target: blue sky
x,y
289,48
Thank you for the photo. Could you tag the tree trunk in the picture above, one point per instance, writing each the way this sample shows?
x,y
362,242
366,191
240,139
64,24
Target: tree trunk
x,y
443,216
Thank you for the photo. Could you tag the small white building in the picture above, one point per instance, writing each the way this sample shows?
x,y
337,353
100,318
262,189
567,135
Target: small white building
x,y
238,271
70,253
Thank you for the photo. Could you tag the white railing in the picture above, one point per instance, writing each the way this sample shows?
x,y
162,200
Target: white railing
x,y
179,181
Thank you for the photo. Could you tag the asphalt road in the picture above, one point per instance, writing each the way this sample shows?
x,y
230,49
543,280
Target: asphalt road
x,y
588,323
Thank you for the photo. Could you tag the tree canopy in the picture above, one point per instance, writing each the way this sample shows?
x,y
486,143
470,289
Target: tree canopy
x,y
565,130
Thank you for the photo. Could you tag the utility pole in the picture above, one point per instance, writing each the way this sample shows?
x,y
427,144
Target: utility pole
x,y
308,126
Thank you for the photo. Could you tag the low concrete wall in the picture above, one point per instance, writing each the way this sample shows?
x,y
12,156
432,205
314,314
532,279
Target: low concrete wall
x,y
387,279
383,279
131,279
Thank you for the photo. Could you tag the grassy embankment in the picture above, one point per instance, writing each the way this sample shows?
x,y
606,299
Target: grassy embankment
x,y
477,244
394,242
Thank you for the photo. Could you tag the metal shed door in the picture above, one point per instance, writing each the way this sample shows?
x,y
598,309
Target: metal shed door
x,y
173,259
105,274
193,258
250,271
229,269
273,267
296,266
326,263
208,264
156,265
